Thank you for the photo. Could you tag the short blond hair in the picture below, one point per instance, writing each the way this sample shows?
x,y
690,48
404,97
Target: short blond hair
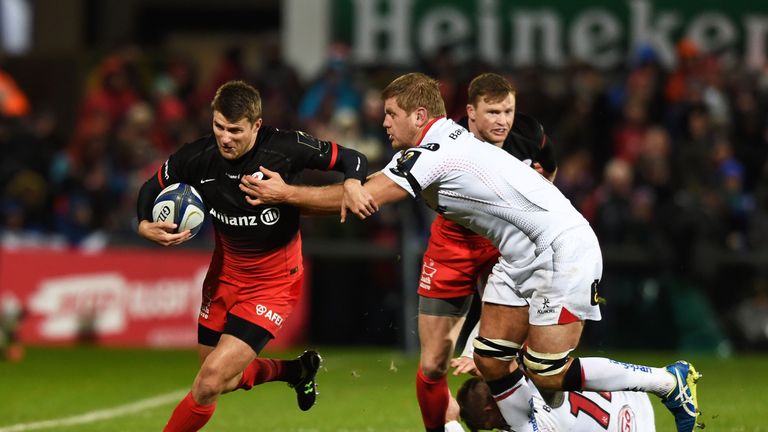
x,y
236,100
416,90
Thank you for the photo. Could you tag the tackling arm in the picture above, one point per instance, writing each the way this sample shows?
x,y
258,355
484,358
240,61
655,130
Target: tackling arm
x,y
320,199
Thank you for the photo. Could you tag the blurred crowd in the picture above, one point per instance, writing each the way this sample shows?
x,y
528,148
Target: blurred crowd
x,y
669,166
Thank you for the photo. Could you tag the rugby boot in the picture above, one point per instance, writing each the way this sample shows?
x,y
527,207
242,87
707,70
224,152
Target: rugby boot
x,y
681,400
306,387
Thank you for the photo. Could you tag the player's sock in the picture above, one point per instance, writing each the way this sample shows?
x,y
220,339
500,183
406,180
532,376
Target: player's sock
x,y
453,426
266,370
433,396
602,374
513,396
189,416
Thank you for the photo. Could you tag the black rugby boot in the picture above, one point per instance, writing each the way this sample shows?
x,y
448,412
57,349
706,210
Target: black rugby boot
x,y
306,387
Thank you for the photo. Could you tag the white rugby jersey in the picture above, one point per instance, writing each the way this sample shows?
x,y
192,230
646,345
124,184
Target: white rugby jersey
x,y
485,189
596,412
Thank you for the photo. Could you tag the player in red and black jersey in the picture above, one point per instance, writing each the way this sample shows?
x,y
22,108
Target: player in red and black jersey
x,y
255,276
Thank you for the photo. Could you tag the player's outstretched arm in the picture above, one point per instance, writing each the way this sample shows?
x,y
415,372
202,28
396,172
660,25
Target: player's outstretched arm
x,y
378,190
381,190
272,189
465,363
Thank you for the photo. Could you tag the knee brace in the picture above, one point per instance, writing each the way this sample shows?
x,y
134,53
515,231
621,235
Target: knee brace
x,y
545,364
496,348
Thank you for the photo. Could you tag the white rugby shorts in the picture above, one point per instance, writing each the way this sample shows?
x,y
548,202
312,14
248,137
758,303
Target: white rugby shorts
x,y
563,275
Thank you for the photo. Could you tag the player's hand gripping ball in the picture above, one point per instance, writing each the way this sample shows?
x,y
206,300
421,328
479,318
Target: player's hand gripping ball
x,y
181,204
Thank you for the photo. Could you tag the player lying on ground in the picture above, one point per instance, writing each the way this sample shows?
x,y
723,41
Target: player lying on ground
x,y
553,411
562,411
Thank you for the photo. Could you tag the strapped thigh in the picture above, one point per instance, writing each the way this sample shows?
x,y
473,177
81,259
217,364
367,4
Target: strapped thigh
x,y
496,348
545,364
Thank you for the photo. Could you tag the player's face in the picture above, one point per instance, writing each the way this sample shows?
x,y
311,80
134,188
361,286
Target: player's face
x,y
401,126
492,121
234,138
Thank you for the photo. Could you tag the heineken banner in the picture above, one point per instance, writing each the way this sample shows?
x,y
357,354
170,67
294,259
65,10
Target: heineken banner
x,y
522,33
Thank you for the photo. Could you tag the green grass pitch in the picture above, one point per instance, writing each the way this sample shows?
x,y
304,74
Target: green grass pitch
x,y
366,390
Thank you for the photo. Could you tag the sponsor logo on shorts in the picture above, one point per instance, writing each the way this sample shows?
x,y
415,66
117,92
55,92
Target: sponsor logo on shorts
x,y
427,273
546,308
205,307
627,419
595,298
267,313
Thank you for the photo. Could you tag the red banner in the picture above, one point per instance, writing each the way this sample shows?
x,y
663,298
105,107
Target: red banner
x,y
115,297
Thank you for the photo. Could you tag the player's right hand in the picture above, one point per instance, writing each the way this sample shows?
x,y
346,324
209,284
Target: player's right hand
x,y
162,233
269,189
464,365
357,200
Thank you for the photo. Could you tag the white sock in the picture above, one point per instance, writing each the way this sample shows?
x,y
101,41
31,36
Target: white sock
x,y
453,426
602,374
513,396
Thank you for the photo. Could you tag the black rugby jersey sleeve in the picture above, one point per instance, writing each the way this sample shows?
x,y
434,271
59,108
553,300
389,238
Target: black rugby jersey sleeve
x,y
328,155
527,140
173,170
546,156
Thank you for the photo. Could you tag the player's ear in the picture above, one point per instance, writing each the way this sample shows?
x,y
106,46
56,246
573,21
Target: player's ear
x,y
471,112
421,116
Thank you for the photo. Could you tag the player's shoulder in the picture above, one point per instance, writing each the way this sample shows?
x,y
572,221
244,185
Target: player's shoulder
x,y
198,148
287,139
526,127
271,134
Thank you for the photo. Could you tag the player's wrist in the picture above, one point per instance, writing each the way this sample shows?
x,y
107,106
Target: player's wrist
x,y
352,182
292,195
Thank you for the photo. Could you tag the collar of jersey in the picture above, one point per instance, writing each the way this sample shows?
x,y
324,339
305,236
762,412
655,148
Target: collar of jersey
x,y
427,127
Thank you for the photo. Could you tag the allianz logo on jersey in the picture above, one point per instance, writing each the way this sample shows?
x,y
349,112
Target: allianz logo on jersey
x,y
268,216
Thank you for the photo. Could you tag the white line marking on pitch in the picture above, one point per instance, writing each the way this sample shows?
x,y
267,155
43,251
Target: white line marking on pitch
x,y
97,415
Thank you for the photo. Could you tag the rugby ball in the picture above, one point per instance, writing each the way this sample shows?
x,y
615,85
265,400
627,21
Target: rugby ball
x,y
181,204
